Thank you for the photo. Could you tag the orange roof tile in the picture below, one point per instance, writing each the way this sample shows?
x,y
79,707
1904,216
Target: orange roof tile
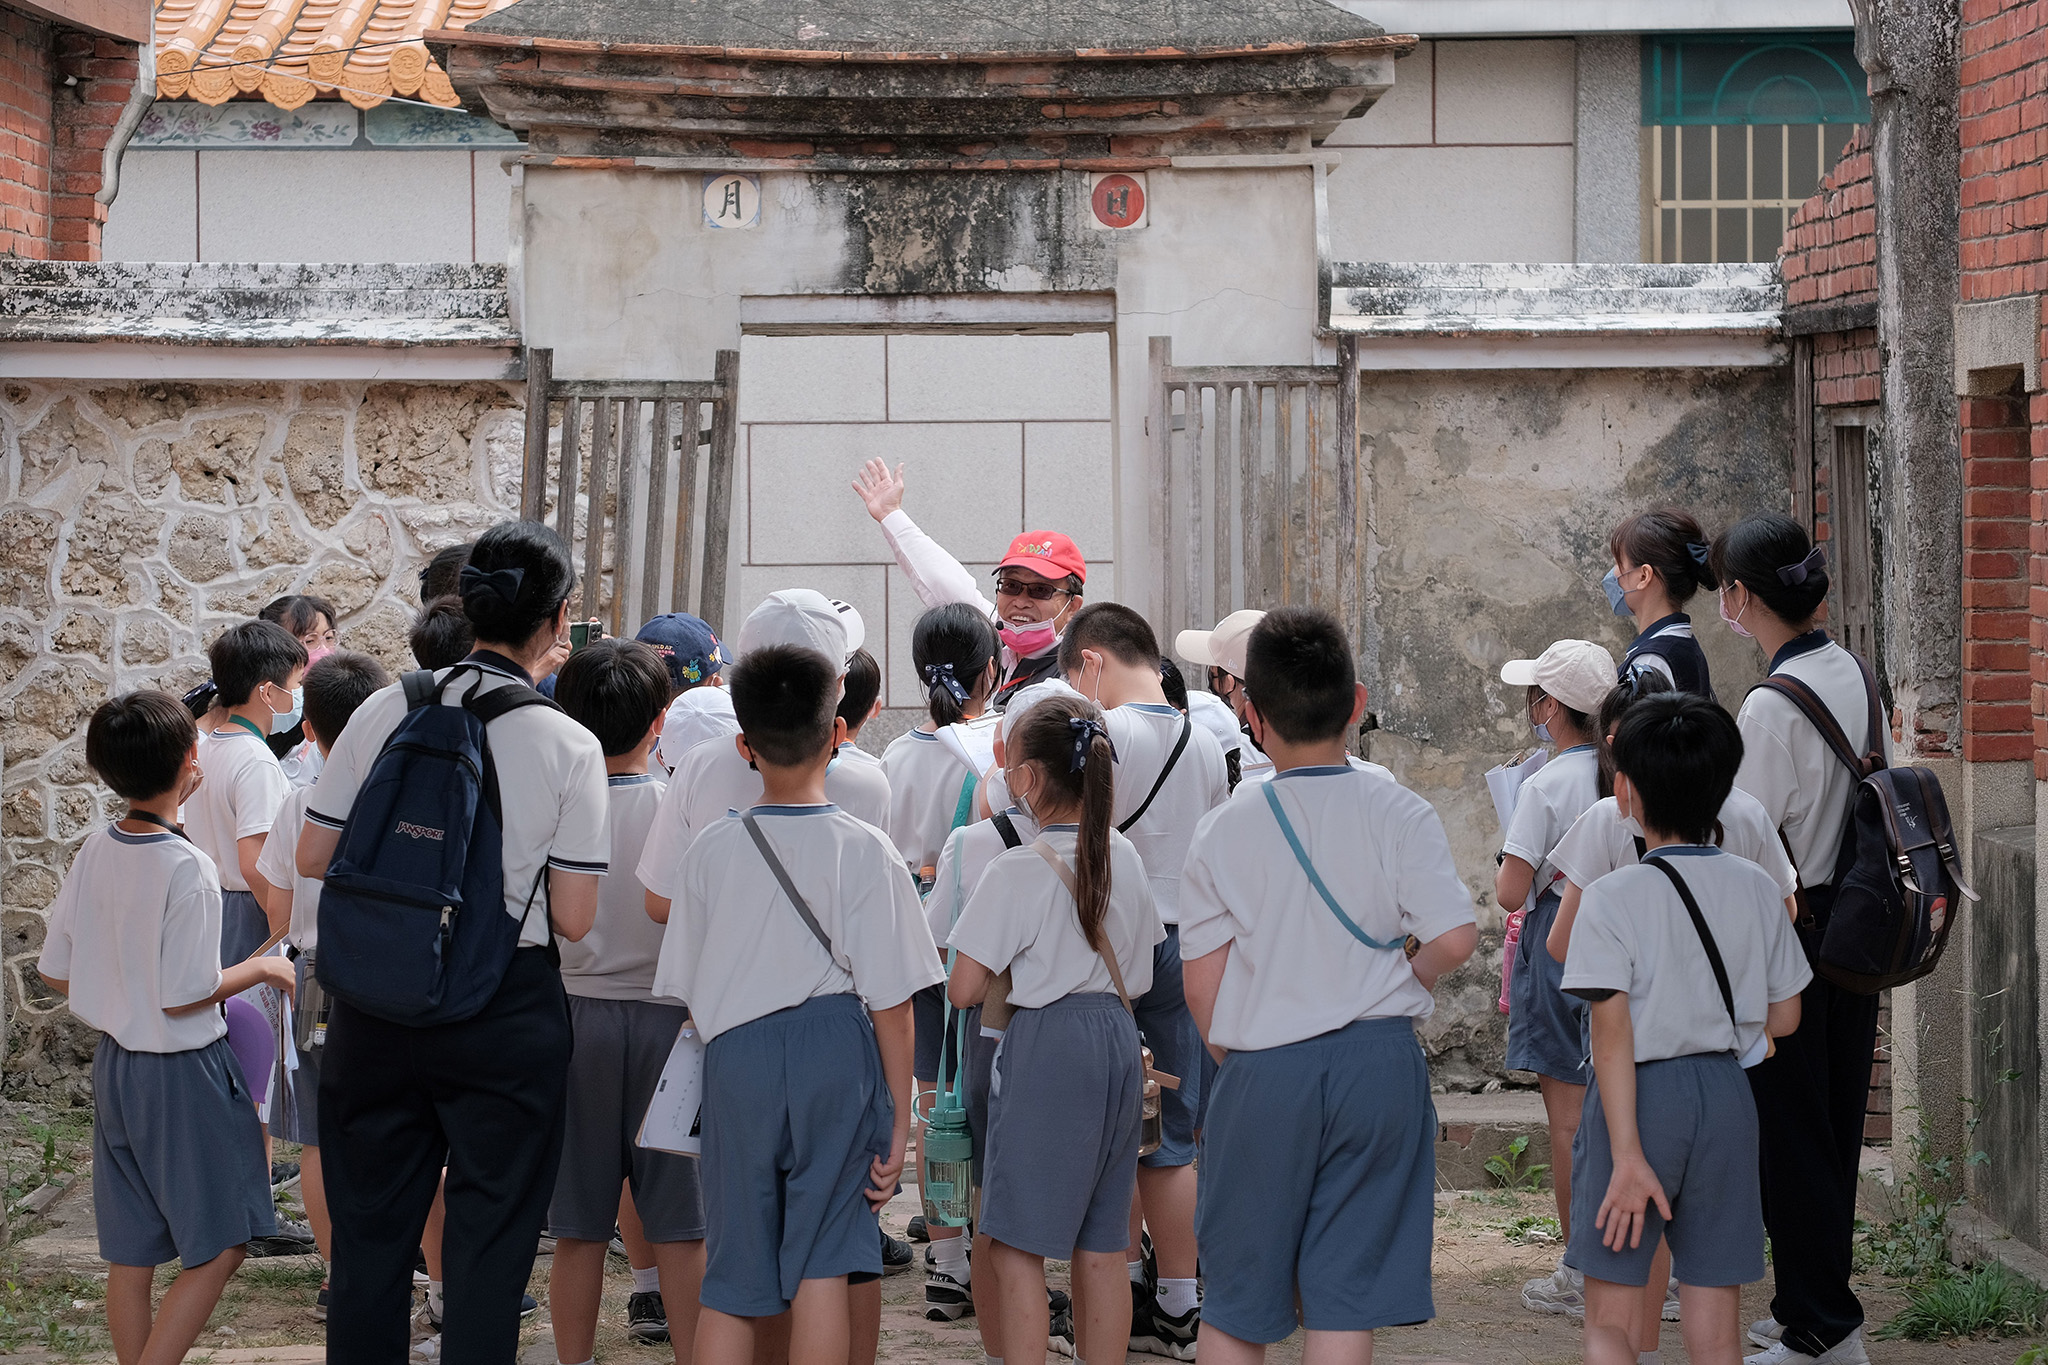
x,y
290,50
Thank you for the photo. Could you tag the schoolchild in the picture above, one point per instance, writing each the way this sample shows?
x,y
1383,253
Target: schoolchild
x,y
1660,558
861,703
259,668
689,650
700,714
1071,918
441,636
484,1095
1169,774
1546,1032
1689,961
1321,1127
796,937
618,690
133,941
1040,582
950,1290
1220,653
441,575
1810,1097
335,686
311,620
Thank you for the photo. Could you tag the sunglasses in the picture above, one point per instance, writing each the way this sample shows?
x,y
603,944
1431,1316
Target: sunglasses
x,y
1038,590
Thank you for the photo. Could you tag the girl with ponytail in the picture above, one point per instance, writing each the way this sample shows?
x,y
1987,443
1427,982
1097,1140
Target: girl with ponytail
x,y
1660,558
1071,918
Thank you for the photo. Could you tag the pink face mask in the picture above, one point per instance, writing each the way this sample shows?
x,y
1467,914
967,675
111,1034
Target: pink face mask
x,y
1024,641
316,653
1735,621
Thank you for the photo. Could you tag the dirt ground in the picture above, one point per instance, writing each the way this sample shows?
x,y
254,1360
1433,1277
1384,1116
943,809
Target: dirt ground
x,y
1486,1245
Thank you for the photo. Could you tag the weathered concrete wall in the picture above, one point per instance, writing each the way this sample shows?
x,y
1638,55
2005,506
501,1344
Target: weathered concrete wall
x,y
1490,506
137,520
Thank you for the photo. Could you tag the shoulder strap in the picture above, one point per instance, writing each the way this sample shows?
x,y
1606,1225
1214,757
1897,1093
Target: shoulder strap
x,y
148,817
419,688
1699,924
803,908
1007,829
490,705
963,812
1066,875
1642,848
1817,713
1187,728
1315,879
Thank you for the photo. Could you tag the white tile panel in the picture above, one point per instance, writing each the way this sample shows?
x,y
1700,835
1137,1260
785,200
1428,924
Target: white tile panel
x,y
813,379
334,206
155,217
1517,90
985,378
1452,204
1069,484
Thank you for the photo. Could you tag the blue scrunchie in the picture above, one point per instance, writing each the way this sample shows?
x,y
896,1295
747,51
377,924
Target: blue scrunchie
x,y
1085,729
937,676
1792,575
506,583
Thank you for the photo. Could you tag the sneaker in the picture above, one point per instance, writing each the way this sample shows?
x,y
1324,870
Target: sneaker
x,y
292,1238
1563,1290
647,1318
617,1247
428,1350
916,1231
1848,1351
1671,1301
1060,1337
1057,1302
283,1173
896,1256
528,1306
420,1277
320,1305
547,1245
1766,1332
945,1298
1163,1334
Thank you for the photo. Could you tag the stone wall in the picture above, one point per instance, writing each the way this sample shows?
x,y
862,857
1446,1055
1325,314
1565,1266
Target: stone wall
x,y
138,520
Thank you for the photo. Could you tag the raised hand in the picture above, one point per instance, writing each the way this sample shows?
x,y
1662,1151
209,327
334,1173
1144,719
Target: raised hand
x,y
880,488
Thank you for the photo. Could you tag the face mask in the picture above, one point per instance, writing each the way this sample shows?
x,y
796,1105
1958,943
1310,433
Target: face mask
x,y
1617,597
316,653
281,721
1024,641
1542,733
1735,621
1017,798
1631,826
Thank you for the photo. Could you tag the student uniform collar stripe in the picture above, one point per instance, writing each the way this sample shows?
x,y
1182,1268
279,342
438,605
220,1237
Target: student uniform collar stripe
x,y
1685,851
819,809
1059,829
124,837
928,736
1676,625
1798,645
1153,708
1575,749
1316,770
628,779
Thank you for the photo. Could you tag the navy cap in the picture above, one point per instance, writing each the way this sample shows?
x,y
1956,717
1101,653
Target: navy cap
x,y
686,645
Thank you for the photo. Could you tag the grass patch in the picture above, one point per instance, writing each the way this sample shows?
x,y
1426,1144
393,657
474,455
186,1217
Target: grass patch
x,y
62,1313
1987,1300
1509,1169
295,1272
1531,1230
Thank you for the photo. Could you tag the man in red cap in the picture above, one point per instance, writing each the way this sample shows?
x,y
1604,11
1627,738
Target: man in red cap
x,y
1039,584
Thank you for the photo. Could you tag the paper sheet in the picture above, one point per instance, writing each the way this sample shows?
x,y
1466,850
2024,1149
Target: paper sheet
x,y
674,1121
1504,784
973,742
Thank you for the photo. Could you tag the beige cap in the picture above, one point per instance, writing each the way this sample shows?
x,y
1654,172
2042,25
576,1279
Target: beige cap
x,y
1578,673
1222,647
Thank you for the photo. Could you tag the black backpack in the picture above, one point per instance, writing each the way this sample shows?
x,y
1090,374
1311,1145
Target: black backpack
x,y
1897,878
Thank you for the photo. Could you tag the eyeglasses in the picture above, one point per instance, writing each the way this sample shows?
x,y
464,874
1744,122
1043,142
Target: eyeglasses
x,y
1037,590
314,638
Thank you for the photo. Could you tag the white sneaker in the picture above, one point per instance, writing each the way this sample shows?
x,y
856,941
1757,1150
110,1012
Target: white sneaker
x,y
1766,1332
1563,1290
1670,1313
1848,1351
427,1350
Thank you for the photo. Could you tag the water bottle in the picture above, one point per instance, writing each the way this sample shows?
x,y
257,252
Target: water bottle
x,y
1508,944
946,1164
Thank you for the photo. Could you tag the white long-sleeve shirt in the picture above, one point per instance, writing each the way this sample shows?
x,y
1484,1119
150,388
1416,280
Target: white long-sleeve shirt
x,y
937,577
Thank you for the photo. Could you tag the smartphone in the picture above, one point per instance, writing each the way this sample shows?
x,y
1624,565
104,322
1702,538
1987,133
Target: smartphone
x,y
579,634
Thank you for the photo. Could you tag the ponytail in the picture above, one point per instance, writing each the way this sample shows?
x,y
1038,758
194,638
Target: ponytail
x,y
1065,738
952,647
1670,542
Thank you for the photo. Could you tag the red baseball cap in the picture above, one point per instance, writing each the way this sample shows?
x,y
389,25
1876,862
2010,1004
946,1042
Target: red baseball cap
x,y
1046,553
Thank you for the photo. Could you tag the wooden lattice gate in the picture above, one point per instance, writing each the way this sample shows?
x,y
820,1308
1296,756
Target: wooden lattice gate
x,y
1258,502
624,445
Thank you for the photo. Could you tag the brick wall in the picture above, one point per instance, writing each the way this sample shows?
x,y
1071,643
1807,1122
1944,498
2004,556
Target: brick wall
x,y
2004,133
53,133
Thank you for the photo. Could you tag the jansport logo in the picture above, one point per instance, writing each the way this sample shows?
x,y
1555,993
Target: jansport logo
x,y
412,831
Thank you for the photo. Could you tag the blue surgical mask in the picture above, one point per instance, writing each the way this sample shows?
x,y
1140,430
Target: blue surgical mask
x,y
1617,597
1542,734
281,721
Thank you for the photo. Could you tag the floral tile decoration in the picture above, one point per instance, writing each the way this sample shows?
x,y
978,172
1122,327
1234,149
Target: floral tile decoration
x,y
248,123
392,124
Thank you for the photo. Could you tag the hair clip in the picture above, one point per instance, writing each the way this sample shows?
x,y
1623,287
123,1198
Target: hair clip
x,y
1794,574
1086,729
937,676
506,583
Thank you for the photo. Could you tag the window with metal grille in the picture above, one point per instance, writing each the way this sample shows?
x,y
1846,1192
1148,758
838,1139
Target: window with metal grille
x,y
1738,131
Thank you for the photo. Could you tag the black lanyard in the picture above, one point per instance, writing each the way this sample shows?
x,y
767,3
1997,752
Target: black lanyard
x,y
152,818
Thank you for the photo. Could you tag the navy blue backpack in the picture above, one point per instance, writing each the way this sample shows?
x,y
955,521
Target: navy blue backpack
x,y
413,926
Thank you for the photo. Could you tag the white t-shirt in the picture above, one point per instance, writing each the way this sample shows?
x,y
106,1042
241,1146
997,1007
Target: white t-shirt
x,y
925,781
1598,844
550,787
712,780
1790,769
1294,970
302,765
1144,734
736,950
1022,918
1633,934
1351,761
962,863
136,927
243,789
615,960
279,865
1555,795
1213,714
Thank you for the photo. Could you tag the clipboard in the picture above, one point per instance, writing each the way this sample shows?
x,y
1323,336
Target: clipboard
x,y
674,1121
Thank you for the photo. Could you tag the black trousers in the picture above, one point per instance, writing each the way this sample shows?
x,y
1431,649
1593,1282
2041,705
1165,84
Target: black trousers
x,y
486,1096
1810,1102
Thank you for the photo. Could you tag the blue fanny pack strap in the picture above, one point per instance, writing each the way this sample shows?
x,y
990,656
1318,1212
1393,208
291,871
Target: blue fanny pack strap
x,y
1315,879
963,812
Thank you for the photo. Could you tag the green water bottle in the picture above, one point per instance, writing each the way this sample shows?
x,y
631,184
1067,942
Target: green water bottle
x,y
946,1156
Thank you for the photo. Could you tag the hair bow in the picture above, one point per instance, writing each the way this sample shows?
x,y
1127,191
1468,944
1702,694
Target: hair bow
x,y
1794,574
941,675
506,583
1700,553
1085,729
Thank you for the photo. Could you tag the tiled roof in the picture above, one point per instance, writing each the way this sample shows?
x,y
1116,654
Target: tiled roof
x,y
292,50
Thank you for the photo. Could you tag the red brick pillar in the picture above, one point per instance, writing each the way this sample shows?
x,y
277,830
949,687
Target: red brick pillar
x,y
25,87
1999,679
2037,579
84,116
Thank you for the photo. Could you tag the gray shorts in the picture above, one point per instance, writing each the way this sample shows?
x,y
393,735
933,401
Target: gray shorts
x,y
795,1111
1319,1180
620,1048
177,1155
1063,1129
1697,1121
243,927
1546,1027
